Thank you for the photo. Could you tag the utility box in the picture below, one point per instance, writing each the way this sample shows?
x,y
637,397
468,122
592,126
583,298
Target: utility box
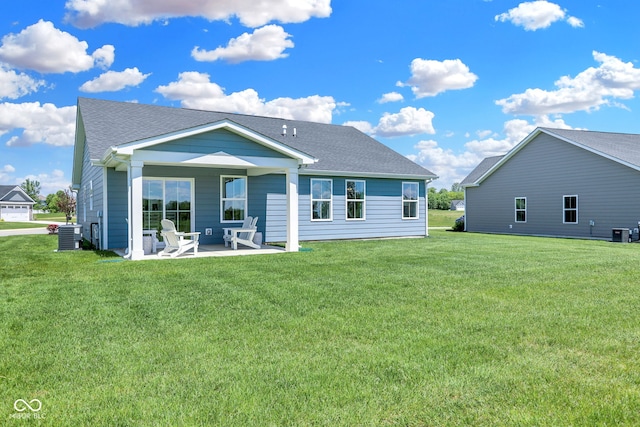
x,y
620,235
69,237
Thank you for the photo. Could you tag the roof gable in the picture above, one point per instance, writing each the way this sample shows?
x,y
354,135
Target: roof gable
x,y
128,148
338,149
14,194
618,147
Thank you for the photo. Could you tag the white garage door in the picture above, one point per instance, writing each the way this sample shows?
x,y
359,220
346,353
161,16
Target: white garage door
x,y
14,213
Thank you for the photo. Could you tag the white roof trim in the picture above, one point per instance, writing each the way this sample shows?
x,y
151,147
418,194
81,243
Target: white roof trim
x,y
130,147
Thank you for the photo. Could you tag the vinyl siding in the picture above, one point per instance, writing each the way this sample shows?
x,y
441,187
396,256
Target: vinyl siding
x,y
544,171
87,212
383,204
215,141
117,211
267,200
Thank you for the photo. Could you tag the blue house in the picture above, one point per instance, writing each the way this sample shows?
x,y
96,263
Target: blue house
x,y
136,164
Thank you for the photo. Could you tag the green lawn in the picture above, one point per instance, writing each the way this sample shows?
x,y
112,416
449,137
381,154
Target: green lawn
x,y
6,225
455,329
55,217
441,218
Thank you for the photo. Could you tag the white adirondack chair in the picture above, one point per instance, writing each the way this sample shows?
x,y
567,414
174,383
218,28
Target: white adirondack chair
x,y
243,235
177,242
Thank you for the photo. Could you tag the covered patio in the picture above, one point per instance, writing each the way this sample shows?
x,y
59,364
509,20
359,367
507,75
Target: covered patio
x,y
132,158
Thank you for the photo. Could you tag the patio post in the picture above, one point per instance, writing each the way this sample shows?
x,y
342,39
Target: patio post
x,y
292,210
136,250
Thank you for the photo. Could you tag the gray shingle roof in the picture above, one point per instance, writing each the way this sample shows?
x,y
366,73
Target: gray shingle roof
x,y
481,169
621,147
338,148
13,193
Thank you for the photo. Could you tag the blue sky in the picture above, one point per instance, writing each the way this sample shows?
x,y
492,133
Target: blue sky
x,y
445,83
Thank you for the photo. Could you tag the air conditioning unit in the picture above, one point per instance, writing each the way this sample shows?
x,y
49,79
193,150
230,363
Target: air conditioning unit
x,y
620,235
69,237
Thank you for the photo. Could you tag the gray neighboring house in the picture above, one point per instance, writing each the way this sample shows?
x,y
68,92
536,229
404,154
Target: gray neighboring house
x,y
457,205
558,182
15,204
135,164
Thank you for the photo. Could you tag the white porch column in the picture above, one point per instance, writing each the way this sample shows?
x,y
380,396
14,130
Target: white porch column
x,y
292,210
136,250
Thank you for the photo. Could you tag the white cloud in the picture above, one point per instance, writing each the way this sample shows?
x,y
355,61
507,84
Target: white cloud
x,y
454,167
251,13
536,15
38,123
588,91
44,48
575,22
195,90
104,56
14,85
430,77
113,81
362,126
264,44
390,97
408,121
6,177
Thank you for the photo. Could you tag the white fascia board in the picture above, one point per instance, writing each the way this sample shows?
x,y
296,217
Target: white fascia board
x,y
219,159
129,148
368,175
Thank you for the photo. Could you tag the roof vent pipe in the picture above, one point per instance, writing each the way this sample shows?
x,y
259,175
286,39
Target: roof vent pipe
x,y
294,132
284,130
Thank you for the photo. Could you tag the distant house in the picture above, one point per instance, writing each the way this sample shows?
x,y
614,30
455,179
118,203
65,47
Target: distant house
x,y
557,182
136,164
457,205
15,204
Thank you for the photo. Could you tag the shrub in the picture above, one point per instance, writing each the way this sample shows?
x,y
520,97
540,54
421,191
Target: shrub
x,y
53,228
459,224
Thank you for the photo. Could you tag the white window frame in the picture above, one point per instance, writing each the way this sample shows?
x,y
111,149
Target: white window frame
x,y
223,199
192,186
416,201
565,210
520,209
330,199
348,200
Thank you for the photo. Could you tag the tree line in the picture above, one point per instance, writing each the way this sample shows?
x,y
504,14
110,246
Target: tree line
x,y
61,201
441,199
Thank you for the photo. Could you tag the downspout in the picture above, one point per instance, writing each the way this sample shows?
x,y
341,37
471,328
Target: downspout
x,y
109,157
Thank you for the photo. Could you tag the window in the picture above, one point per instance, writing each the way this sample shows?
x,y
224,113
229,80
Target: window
x,y
410,200
233,198
321,199
355,199
521,209
167,198
570,210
